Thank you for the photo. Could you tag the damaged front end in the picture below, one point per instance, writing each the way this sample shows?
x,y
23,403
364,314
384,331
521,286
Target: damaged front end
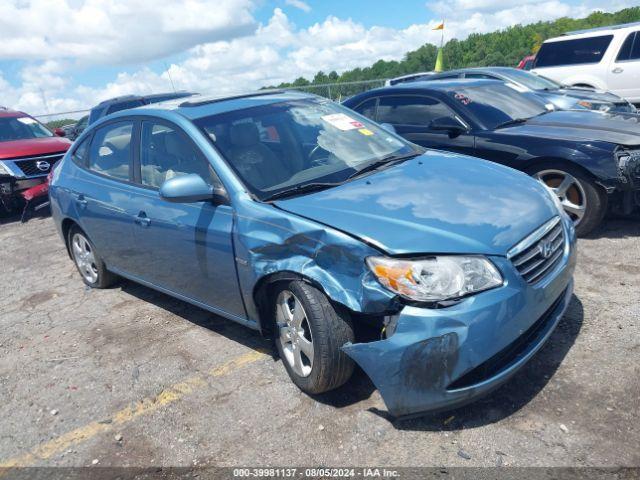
x,y
431,356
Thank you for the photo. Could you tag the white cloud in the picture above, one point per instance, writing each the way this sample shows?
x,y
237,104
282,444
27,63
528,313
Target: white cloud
x,y
116,31
304,6
224,49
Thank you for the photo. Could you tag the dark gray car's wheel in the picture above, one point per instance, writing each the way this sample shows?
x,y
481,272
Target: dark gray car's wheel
x,y
88,262
583,200
310,334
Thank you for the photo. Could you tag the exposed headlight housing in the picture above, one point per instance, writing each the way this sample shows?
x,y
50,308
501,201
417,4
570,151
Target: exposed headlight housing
x,y
436,278
598,106
4,170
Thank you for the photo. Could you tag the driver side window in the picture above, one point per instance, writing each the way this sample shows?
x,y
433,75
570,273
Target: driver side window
x,y
412,110
166,153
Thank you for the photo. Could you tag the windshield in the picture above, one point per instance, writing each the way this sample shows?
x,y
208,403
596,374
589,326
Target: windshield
x,y
496,104
286,145
22,128
531,80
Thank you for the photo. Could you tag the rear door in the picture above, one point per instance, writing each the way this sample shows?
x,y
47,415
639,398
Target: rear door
x,y
623,77
412,115
101,190
185,248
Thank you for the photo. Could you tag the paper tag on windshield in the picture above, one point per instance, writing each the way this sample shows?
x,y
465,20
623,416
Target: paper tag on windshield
x,y
342,122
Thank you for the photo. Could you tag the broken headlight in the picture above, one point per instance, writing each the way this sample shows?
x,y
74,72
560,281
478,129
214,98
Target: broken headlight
x,y
437,278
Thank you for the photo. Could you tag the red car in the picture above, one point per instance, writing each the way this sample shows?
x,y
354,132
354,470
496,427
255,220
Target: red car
x,y
28,152
526,63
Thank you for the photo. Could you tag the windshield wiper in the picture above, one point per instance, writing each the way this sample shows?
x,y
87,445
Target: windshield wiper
x,y
508,123
386,160
300,189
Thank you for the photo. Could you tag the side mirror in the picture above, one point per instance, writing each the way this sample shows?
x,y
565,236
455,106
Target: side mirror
x,y
192,188
388,127
448,124
58,132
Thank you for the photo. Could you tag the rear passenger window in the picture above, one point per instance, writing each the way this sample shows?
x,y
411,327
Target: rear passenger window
x,y
411,110
110,152
81,153
367,108
573,52
166,153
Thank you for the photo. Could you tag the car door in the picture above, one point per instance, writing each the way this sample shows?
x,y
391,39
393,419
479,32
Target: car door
x,y
185,248
413,115
101,190
623,77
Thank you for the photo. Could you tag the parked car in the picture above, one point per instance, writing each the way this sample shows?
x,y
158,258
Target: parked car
x,y
78,128
589,159
526,63
297,217
562,97
116,104
412,77
606,58
28,152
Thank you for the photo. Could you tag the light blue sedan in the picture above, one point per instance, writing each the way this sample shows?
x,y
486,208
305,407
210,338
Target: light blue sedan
x,y
439,274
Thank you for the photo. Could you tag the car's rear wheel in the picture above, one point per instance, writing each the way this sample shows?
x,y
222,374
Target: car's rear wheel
x,y
310,333
583,200
88,262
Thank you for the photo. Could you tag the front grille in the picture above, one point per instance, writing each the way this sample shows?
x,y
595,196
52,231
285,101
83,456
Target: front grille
x,y
540,252
40,165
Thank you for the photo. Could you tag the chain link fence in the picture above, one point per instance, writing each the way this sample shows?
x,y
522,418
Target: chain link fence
x,y
340,91
334,91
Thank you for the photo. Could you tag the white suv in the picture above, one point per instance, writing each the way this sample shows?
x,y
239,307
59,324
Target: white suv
x,y
605,58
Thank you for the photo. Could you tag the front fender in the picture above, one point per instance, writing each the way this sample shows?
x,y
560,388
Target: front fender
x,y
268,241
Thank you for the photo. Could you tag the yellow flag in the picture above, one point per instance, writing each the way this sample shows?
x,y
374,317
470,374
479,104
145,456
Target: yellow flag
x,y
440,27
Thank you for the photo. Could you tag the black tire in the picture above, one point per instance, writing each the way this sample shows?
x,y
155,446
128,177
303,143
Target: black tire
x,y
103,277
329,330
595,196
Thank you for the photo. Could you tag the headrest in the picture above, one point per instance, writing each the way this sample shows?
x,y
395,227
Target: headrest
x,y
172,144
244,134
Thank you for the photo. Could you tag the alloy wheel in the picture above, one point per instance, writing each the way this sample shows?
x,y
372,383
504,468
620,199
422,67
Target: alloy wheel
x,y
84,258
295,333
569,191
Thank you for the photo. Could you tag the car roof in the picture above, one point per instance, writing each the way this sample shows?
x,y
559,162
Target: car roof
x,y
590,31
8,113
443,86
126,98
199,106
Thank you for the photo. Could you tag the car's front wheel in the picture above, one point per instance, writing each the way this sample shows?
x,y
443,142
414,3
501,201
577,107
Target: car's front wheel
x,y
88,262
310,332
583,200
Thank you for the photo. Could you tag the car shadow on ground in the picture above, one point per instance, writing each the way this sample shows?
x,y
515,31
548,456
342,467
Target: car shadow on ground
x,y
203,318
17,217
617,226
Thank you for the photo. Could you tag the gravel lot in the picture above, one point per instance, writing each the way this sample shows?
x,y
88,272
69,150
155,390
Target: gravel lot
x,y
131,377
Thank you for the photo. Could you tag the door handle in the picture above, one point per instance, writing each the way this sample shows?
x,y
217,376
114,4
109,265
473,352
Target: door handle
x,y
142,219
617,70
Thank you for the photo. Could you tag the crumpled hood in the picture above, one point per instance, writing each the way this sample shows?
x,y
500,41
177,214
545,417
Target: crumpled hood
x,y
435,203
33,146
587,126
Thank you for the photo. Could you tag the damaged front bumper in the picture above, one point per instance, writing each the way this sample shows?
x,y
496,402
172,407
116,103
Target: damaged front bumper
x,y
442,358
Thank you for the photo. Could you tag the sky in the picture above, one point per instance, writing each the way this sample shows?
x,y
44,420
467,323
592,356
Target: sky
x,y
63,55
